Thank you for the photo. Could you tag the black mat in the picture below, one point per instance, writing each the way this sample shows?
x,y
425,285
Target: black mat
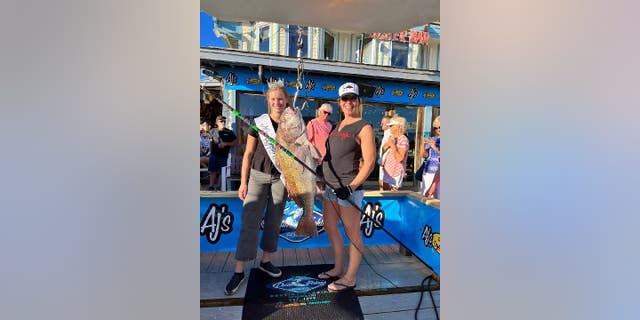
x,y
297,294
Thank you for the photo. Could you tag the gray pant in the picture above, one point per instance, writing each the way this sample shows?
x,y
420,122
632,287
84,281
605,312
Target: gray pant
x,y
262,189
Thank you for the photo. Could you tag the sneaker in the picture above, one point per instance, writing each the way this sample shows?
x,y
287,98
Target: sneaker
x,y
270,269
211,189
234,283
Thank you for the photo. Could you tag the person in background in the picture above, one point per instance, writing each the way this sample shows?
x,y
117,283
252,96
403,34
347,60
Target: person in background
x,y
260,187
431,153
222,139
204,143
396,149
204,148
349,142
318,130
435,186
385,137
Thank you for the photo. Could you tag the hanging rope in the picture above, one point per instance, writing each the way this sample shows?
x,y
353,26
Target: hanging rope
x,y
300,67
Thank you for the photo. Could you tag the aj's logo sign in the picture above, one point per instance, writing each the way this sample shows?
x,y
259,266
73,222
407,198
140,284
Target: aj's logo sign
x,y
379,91
215,222
431,239
372,212
310,85
413,93
231,78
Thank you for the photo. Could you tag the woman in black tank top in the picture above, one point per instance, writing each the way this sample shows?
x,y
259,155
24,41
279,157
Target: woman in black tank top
x,y
350,142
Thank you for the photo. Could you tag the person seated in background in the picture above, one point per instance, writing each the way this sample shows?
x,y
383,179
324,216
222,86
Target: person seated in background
x,y
204,147
204,143
396,151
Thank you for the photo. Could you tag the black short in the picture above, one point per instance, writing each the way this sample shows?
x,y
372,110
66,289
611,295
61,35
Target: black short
x,y
217,163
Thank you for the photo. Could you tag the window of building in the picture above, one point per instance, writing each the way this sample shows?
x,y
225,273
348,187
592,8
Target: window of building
x,y
368,51
373,113
263,38
293,41
438,58
252,105
328,45
423,58
399,54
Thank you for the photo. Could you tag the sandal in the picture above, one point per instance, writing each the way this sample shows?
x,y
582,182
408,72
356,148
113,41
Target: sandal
x,y
343,287
326,276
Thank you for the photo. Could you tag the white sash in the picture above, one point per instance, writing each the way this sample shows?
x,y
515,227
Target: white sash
x,y
263,123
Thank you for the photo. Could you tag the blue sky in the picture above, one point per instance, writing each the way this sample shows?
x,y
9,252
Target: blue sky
x,y
207,37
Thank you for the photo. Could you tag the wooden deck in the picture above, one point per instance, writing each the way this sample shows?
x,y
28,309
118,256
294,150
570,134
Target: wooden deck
x,y
388,281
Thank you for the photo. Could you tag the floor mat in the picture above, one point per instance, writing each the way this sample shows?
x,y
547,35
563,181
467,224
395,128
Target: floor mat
x,y
297,294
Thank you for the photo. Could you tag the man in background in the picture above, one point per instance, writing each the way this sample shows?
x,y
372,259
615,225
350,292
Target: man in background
x,y
222,139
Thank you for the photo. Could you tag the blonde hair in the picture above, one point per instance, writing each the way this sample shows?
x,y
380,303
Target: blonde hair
x,y
324,105
399,121
273,89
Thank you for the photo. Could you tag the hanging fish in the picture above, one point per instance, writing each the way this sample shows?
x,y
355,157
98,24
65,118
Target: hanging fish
x,y
300,182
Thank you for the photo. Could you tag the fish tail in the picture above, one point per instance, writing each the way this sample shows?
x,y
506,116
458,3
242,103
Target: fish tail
x,y
306,225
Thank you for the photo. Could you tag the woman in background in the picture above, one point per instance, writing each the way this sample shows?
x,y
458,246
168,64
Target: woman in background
x,y
431,153
394,162
318,130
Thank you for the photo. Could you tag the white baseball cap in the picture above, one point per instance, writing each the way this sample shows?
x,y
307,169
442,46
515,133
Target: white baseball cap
x,y
348,88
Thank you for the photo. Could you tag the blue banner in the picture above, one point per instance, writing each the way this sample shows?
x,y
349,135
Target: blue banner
x,y
415,224
316,86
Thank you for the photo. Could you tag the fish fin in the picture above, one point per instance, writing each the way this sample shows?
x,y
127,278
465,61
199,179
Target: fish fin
x,y
315,154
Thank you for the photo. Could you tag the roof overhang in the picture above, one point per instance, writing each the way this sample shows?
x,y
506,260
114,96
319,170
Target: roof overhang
x,y
357,16
239,58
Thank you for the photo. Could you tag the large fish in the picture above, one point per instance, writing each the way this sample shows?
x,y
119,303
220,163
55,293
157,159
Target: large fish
x,y
300,182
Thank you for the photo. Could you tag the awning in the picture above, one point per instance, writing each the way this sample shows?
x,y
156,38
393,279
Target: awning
x,y
358,16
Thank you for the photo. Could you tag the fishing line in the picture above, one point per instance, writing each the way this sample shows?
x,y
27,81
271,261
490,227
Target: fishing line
x,y
433,302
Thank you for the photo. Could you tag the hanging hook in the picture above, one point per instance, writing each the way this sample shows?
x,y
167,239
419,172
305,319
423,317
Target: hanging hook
x,y
300,67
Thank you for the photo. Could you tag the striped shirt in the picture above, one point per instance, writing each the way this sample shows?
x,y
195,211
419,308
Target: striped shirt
x,y
391,165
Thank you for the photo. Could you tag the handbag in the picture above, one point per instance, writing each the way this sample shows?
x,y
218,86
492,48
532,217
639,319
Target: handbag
x,y
418,174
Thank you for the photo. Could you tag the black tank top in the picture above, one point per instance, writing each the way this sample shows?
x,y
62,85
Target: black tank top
x,y
342,161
